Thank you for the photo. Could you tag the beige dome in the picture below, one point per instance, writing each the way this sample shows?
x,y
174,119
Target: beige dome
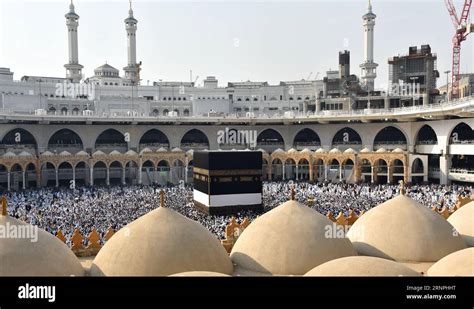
x,y
199,274
161,243
459,263
361,266
47,256
404,230
288,240
463,221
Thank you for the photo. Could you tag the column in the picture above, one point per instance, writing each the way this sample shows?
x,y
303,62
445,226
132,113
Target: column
x,y
311,177
57,177
123,175
389,176
325,172
372,174
24,180
140,174
283,170
8,181
38,178
340,172
107,178
74,176
296,171
386,102
91,175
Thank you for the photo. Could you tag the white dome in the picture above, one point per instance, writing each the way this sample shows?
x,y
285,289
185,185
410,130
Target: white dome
x,y
278,150
366,266
131,153
47,256
288,240
176,149
405,231
320,150
459,263
397,150
65,153
350,150
365,150
9,154
115,153
161,243
463,221
334,150
98,153
24,154
162,149
381,150
82,153
292,150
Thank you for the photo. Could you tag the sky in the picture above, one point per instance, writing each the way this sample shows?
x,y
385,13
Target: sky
x,y
233,40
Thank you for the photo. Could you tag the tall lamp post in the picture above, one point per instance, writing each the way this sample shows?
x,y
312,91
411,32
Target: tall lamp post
x,y
447,84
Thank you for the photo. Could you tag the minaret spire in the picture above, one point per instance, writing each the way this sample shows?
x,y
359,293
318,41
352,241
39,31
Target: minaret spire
x,y
132,68
369,67
73,68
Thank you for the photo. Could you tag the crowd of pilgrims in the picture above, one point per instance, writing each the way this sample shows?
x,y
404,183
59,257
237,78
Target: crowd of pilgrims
x,y
103,207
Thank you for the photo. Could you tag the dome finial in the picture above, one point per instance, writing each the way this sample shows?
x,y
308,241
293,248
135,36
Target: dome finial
x,y
162,198
71,6
370,6
4,206
402,187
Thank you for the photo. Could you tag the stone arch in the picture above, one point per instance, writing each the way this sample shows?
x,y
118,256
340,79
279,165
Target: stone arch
x,y
270,140
306,138
154,139
20,137
426,136
462,133
347,138
390,137
194,139
63,139
111,139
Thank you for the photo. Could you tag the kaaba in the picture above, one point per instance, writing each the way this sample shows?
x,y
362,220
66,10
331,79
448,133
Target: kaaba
x,y
226,182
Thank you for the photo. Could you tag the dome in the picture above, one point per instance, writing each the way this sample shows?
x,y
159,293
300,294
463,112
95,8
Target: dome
x,y
278,150
334,150
106,70
405,231
190,152
47,153
463,222
82,153
361,266
306,150
131,153
199,274
381,150
292,150
288,240
24,154
397,150
176,149
146,149
9,154
320,150
98,153
162,149
161,243
115,153
459,263
48,256
65,153
365,150
350,150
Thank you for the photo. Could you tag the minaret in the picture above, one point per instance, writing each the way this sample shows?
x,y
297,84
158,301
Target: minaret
x,y
369,67
73,68
132,69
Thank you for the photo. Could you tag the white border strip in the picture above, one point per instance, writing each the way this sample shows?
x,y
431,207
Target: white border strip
x,y
227,199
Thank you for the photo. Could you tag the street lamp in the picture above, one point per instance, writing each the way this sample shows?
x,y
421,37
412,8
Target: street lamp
x,y
447,84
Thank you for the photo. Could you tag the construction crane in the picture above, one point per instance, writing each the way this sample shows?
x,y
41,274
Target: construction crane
x,y
463,27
